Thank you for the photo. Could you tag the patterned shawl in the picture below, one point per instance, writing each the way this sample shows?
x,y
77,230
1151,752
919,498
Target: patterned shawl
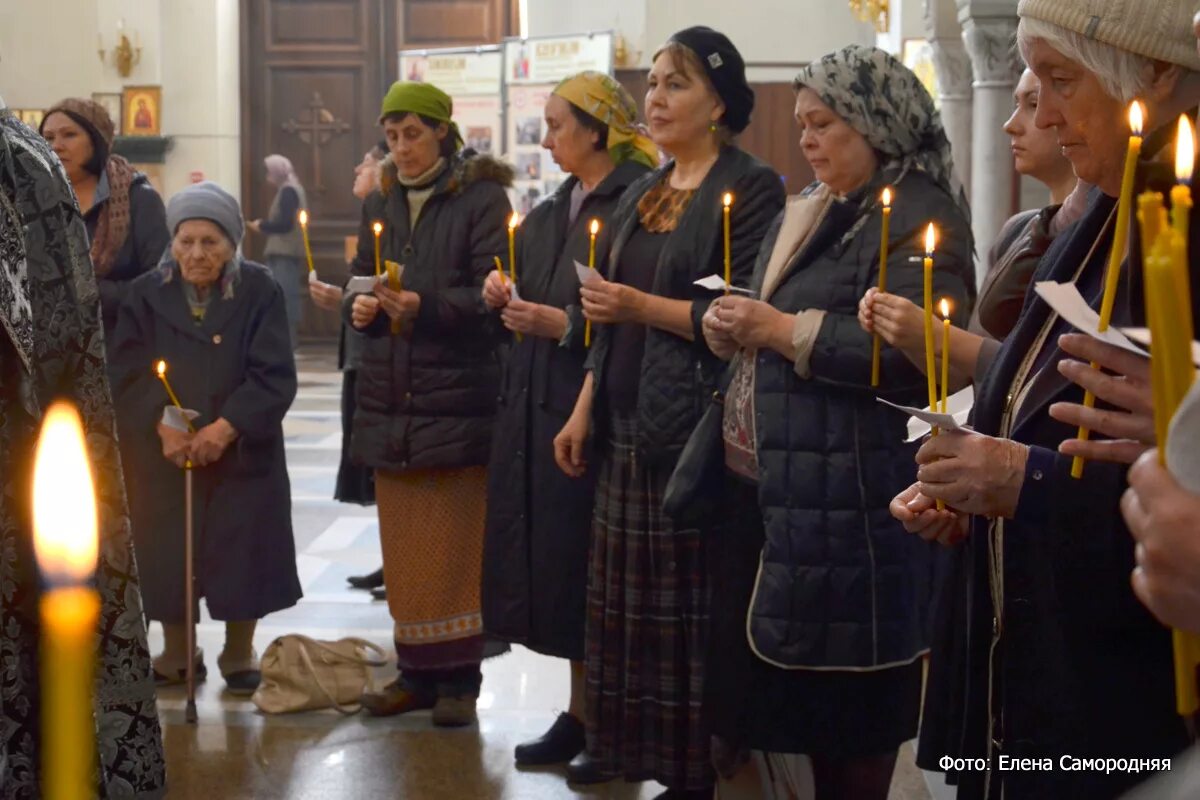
x,y
112,227
888,105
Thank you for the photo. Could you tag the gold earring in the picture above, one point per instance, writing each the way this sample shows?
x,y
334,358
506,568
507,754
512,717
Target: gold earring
x,y
712,127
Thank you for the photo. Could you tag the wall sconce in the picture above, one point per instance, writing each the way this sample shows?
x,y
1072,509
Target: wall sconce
x,y
126,55
873,11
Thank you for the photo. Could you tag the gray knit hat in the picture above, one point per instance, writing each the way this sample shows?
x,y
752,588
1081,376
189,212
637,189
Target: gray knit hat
x,y
1157,29
207,200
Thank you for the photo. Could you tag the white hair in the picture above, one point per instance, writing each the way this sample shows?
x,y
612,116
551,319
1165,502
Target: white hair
x,y
1122,74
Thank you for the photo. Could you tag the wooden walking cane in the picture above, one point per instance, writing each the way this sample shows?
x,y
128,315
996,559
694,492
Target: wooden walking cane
x,y
189,594
189,567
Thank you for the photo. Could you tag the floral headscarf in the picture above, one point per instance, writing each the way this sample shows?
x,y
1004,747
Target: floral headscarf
x,y
885,102
599,96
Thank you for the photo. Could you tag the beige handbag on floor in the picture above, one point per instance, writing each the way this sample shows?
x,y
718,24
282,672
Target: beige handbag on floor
x,y
303,674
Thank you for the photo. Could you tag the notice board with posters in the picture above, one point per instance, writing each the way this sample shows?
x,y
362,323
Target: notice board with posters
x,y
472,76
532,68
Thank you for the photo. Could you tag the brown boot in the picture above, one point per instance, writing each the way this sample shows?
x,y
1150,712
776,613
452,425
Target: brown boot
x,y
396,698
455,711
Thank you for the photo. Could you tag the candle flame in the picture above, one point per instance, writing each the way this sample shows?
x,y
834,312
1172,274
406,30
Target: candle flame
x,y
64,501
930,239
887,196
944,307
1137,118
727,199
514,221
303,218
595,227
1185,150
161,368
378,228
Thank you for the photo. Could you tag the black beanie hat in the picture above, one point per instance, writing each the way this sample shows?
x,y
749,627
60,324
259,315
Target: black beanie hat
x,y
726,70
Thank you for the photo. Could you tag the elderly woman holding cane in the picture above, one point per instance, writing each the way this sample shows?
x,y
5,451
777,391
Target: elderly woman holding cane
x,y
1043,649
219,323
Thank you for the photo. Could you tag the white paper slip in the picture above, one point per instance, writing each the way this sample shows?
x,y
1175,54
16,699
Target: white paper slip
x,y
953,421
717,284
1070,305
586,274
361,284
312,276
1142,336
177,419
516,294
960,404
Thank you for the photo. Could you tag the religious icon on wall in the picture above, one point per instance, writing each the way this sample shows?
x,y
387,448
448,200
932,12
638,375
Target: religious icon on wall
x,y
141,108
917,55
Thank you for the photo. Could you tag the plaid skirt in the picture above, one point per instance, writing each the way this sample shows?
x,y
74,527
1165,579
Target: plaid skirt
x,y
647,622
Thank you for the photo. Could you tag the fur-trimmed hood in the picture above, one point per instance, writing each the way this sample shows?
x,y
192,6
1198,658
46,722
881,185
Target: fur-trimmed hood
x,y
466,168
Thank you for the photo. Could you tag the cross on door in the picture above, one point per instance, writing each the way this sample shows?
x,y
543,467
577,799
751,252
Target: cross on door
x,y
317,125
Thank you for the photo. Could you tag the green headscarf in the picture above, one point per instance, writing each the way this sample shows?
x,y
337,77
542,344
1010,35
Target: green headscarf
x,y
423,99
599,96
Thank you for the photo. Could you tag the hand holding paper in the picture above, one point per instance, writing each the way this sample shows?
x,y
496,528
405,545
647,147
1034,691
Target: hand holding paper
x,y
717,284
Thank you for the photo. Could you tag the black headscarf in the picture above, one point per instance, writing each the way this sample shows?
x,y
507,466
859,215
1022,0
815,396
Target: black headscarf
x,y
726,71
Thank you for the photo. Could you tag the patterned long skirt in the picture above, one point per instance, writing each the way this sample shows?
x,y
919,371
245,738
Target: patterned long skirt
x,y
646,627
431,530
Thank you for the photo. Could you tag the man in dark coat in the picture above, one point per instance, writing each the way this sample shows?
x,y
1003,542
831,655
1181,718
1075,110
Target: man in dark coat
x,y
220,325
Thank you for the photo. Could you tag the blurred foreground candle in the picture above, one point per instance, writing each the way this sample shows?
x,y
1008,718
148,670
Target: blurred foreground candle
x,y
513,222
877,341
66,545
1117,254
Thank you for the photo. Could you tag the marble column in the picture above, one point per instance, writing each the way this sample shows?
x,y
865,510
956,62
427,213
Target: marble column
x,y
953,69
989,29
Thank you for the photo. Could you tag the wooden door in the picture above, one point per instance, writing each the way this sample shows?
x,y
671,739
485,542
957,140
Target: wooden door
x,y
312,75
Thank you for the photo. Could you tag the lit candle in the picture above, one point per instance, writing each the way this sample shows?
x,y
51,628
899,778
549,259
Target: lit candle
x,y
930,367
1181,207
727,201
877,340
513,222
378,229
944,307
593,229
161,369
307,247
66,545
1181,193
1117,254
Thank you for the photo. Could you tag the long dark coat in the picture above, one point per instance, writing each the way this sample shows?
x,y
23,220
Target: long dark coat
x,y
426,398
237,364
539,520
1069,663
841,585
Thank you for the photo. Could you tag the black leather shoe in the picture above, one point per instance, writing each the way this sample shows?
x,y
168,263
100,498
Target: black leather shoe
x,y
558,745
372,581
585,770
379,593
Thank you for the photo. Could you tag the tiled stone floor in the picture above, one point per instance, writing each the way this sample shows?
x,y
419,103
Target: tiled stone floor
x,y
235,752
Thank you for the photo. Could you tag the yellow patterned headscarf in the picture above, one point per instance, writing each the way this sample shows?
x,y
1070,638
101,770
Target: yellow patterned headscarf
x,y
599,96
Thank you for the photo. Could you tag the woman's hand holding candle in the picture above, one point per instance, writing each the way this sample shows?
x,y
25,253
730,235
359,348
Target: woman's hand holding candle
x,y
496,291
